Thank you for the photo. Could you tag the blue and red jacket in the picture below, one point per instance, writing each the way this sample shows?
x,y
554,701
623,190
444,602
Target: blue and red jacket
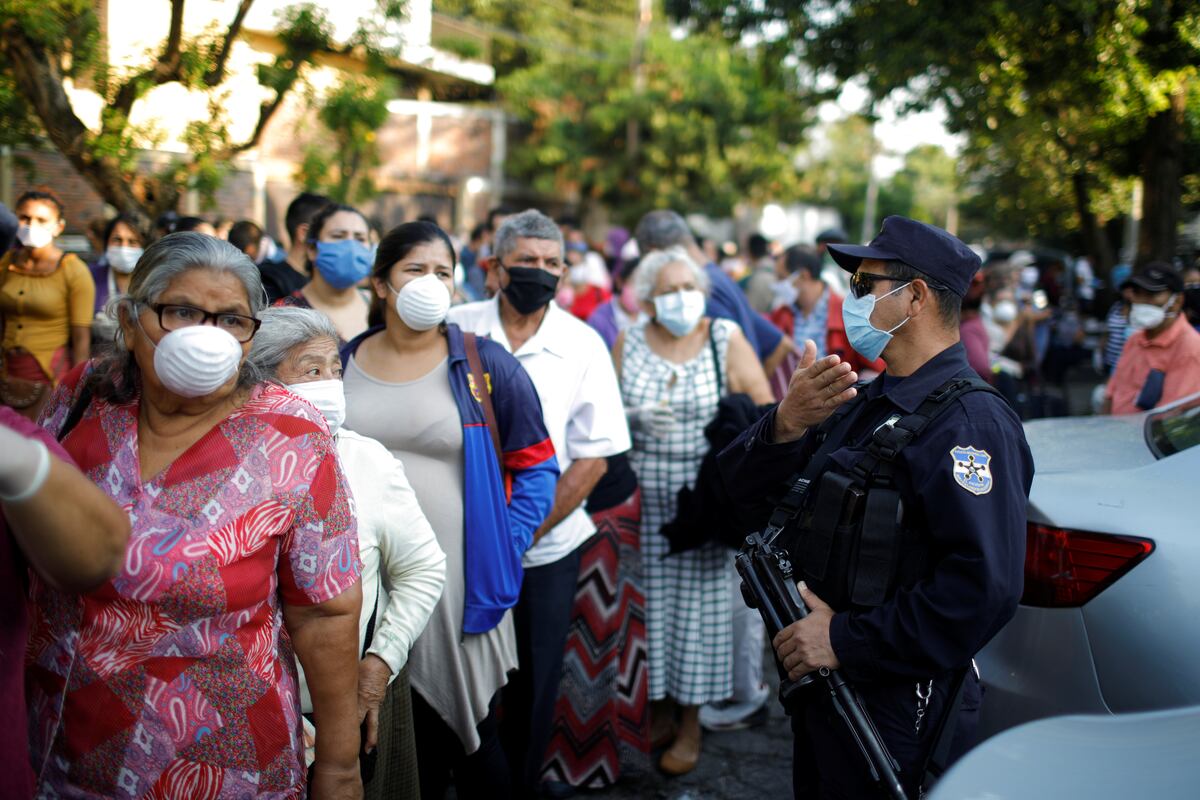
x,y
500,510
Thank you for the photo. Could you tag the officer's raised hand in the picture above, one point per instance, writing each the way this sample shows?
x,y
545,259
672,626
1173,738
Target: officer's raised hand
x,y
804,646
816,389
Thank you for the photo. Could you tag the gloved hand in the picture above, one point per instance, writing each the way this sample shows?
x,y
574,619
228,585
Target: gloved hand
x,y
24,464
656,419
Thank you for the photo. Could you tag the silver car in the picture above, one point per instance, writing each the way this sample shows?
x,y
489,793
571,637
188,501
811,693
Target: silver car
x,y
1110,618
1152,754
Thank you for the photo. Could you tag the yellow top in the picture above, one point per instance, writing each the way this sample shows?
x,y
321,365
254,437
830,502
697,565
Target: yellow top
x,y
39,310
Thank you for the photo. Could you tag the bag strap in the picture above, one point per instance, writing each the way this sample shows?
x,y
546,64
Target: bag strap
x,y
485,395
712,344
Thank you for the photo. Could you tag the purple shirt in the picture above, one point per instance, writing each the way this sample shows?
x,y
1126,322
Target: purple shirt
x,y
14,632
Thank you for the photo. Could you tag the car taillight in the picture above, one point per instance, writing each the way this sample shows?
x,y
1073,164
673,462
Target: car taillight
x,y
1068,568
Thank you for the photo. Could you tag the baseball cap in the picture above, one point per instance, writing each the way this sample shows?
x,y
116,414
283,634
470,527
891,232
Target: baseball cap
x,y
932,251
1157,276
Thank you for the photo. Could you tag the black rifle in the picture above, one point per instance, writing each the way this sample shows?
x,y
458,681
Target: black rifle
x,y
768,584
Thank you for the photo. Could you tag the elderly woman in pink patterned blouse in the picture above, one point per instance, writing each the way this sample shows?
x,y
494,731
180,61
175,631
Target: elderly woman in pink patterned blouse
x,y
175,678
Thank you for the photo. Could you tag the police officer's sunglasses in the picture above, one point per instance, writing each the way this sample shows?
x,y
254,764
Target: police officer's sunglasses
x,y
861,283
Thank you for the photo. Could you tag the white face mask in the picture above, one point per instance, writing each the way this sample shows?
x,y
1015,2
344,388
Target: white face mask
x,y
328,397
1143,316
423,302
1004,311
785,293
123,259
680,312
34,236
195,361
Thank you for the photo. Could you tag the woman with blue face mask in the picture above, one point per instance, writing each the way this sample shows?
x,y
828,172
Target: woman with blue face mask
x,y
674,368
339,259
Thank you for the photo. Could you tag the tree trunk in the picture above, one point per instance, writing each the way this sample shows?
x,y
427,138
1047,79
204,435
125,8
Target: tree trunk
x,y
1161,172
41,82
1095,242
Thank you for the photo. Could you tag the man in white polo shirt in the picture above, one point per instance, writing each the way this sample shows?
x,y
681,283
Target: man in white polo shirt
x,y
581,404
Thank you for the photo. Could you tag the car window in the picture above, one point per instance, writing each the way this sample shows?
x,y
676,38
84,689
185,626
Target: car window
x,y
1174,429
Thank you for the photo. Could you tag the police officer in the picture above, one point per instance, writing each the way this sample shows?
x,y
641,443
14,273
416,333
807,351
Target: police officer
x,y
906,632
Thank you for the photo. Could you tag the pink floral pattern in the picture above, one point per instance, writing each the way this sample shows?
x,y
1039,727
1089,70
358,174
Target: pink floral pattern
x,y
175,678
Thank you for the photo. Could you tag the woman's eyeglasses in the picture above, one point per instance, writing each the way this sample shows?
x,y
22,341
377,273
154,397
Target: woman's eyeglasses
x,y
172,317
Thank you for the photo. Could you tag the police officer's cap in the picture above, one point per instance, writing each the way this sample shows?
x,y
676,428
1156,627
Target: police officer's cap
x,y
931,251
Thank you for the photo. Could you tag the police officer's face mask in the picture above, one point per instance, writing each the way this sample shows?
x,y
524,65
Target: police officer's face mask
x,y
867,340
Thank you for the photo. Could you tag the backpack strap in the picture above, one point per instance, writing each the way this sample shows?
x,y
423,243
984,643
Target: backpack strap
x,y
879,542
485,396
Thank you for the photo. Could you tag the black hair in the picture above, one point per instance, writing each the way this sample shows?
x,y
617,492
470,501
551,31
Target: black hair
x,y
758,246
801,258
627,269
393,247
42,195
499,211
126,220
949,304
479,230
244,233
185,224
428,218
301,210
166,222
569,221
316,223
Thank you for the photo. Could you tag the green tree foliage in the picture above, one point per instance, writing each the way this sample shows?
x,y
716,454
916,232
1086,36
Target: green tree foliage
x,y
1096,91
45,42
836,175
710,131
339,165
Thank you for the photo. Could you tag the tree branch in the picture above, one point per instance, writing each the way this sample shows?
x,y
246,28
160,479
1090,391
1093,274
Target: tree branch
x,y
217,74
164,70
265,112
42,85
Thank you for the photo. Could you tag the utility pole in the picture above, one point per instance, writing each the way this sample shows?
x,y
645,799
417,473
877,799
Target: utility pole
x,y
638,68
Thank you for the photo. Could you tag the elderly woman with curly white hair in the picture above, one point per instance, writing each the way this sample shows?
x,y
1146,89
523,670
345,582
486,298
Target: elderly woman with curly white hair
x,y
674,368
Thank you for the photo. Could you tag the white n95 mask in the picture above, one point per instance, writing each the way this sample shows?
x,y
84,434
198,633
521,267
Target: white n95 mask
x,y
198,360
423,302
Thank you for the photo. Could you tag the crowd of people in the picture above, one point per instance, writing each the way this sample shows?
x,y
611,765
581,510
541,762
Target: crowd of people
x,y
374,512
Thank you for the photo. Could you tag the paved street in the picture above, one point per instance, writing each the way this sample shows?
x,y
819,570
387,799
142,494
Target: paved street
x,y
754,763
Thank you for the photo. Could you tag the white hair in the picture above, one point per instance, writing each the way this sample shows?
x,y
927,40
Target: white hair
x,y
648,268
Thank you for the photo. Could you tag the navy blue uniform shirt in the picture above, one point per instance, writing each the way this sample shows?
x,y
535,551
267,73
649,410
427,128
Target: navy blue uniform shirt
x,y
727,301
964,483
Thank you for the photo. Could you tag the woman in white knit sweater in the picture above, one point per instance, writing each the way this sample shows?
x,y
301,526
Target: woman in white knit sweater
x,y
403,566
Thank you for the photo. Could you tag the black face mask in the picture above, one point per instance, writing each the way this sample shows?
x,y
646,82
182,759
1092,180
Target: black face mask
x,y
530,288
1191,300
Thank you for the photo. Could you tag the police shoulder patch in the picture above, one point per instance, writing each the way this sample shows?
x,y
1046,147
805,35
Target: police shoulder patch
x,y
972,469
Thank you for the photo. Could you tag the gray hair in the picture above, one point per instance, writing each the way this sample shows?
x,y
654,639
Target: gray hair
x,y
658,230
283,329
529,224
116,376
649,267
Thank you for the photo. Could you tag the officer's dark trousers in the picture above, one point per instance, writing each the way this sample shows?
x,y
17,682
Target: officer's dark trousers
x,y
541,617
827,764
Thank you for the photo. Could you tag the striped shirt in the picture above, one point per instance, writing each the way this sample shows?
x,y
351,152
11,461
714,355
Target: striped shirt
x,y
1117,324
